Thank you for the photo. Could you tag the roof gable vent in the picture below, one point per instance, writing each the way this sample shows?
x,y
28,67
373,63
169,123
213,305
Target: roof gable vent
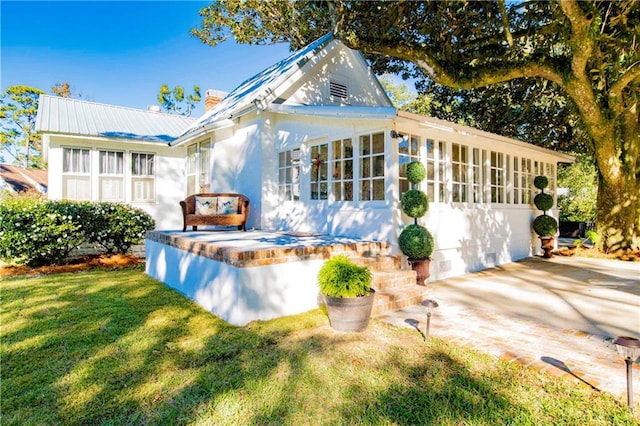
x,y
338,90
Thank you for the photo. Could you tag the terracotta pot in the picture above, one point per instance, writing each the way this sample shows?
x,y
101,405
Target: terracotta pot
x,y
349,313
547,244
421,266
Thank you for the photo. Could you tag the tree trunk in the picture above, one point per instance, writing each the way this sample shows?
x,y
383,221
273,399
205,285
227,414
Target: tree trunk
x,y
618,213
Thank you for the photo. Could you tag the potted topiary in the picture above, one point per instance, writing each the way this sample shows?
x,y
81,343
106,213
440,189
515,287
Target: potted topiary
x,y
415,241
347,292
544,225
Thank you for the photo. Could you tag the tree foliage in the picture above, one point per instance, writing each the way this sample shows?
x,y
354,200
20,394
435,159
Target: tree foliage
x,y
64,89
18,138
580,180
175,101
588,50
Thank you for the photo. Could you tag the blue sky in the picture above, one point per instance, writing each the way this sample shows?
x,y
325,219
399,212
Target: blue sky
x,y
120,52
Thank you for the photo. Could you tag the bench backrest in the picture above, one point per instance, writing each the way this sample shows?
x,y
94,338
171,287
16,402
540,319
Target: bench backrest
x,y
243,200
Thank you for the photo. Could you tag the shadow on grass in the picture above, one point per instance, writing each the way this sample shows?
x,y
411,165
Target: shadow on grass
x,y
120,348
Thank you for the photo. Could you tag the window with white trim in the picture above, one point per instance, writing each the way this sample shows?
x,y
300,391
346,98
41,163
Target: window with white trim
x,y
76,174
143,180
342,169
408,151
517,181
477,187
551,175
526,180
198,167
430,160
497,176
443,195
111,175
289,174
371,167
459,161
320,172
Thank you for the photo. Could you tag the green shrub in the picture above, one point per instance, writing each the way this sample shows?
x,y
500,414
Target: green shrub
x,y
416,242
116,226
545,226
37,232
416,172
414,203
540,182
543,201
340,277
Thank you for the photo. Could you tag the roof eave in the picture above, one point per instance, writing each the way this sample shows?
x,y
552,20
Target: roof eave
x,y
201,131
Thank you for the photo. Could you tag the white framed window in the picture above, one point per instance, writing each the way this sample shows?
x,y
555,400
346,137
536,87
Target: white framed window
x,y
517,181
198,167
143,181
342,169
408,151
459,178
430,161
443,194
289,174
320,172
550,173
477,187
526,181
371,160
497,176
111,175
76,174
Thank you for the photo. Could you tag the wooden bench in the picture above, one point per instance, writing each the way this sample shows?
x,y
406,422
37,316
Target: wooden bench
x,y
190,218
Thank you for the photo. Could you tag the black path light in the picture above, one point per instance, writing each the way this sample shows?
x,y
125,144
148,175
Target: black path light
x,y
629,348
431,306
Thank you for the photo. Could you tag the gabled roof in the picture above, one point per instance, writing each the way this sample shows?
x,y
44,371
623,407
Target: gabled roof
x,y
77,117
258,88
18,179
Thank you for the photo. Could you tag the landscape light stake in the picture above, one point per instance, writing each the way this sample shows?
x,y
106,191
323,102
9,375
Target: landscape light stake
x,y
431,306
629,348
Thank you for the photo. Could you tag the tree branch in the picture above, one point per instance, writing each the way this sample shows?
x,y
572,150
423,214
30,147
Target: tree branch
x,y
505,22
615,93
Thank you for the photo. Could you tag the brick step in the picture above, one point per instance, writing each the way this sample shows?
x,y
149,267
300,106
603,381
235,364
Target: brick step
x,y
391,279
398,298
365,249
380,262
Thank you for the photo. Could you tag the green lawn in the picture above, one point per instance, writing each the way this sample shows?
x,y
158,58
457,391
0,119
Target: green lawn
x,y
116,347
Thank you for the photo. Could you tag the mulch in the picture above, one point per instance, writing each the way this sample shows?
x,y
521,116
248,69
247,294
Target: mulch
x,y
83,264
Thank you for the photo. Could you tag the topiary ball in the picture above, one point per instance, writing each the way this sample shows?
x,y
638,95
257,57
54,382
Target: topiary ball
x,y
545,226
416,242
543,201
416,172
414,203
540,182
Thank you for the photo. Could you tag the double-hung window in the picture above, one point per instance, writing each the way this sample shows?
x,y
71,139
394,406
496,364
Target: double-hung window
x,y
76,174
342,169
198,167
372,167
497,176
408,151
459,161
289,174
111,175
143,178
320,172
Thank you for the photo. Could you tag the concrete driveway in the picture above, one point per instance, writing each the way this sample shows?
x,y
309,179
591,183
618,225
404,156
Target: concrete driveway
x,y
555,315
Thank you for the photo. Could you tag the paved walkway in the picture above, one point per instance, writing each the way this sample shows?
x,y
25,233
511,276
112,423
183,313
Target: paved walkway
x,y
559,316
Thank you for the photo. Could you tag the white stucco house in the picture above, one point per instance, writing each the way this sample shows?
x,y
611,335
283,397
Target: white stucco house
x,y
317,146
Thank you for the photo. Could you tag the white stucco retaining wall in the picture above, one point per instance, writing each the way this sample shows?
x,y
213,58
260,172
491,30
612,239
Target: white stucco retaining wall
x,y
237,295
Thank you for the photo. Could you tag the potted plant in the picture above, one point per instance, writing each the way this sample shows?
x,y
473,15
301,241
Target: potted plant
x,y
544,225
415,241
347,292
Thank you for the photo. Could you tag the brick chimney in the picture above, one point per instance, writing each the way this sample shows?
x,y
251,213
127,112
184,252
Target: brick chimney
x,y
212,98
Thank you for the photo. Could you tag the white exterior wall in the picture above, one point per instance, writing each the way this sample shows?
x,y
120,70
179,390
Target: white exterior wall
x,y
237,295
169,174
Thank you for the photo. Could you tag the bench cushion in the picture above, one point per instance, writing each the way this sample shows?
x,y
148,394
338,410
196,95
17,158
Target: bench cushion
x,y
227,205
206,205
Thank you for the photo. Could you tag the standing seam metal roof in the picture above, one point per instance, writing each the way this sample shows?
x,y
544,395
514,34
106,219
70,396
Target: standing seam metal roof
x,y
78,117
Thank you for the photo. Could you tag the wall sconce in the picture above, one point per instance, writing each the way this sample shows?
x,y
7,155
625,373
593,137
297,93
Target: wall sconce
x,y
396,135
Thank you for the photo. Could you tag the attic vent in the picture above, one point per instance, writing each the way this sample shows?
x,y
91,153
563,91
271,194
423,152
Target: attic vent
x,y
337,90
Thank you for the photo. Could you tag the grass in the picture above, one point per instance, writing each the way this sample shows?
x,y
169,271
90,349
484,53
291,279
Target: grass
x,y
116,347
